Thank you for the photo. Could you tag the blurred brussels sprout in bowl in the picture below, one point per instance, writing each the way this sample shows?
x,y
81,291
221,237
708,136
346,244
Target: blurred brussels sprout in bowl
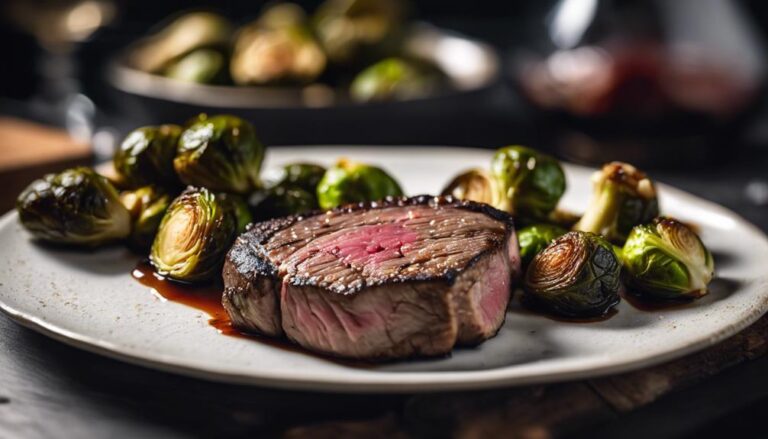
x,y
195,234
75,207
531,183
147,206
351,182
622,198
577,275
146,157
221,153
666,260
278,48
394,79
201,66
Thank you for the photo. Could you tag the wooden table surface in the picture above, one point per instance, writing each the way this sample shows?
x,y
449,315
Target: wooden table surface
x,y
50,390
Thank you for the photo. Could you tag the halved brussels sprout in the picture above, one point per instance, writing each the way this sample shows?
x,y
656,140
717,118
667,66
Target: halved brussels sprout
x,y
623,197
667,260
474,185
535,238
202,66
351,182
395,79
277,48
531,182
186,33
220,153
147,206
195,234
348,29
146,157
77,206
577,275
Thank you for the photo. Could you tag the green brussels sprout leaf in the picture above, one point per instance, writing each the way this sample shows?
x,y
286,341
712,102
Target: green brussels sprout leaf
x,y
350,182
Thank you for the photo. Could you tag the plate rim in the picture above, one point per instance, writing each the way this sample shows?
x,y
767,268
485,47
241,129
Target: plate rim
x,y
401,382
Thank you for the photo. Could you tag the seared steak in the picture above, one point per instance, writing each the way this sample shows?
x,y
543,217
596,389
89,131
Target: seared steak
x,y
391,279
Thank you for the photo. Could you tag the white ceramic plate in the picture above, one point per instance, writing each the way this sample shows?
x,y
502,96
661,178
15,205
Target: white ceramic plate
x,y
89,300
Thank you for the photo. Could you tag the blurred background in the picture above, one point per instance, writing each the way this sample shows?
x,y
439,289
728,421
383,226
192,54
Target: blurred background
x,y
677,87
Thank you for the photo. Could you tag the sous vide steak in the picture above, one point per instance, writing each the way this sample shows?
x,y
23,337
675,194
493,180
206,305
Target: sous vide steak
x,y
382,280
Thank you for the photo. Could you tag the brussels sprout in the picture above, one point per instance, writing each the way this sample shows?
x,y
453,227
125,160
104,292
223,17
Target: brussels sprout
x,y
351,29
351,182
282,201
146,157
535,238
531,183
665,259
395,79
147,206
77,206
277,48
195,234
188,32
202,66
623,197
474,185
303,175
220,153
577,275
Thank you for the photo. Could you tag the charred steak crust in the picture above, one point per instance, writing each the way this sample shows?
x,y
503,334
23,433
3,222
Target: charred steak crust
x,y
422,297
257,234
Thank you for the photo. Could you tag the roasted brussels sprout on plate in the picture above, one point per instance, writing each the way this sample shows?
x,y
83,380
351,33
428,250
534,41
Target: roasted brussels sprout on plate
x,y
77,207
622,198
577,275
666,260
195,234
293,192
302,175
535,238
220,153
146,157
531,183
475,185
147,206
351,182
277,48
395,79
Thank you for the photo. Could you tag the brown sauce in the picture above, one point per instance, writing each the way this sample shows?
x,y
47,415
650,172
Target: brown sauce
x,y
648,304
207,298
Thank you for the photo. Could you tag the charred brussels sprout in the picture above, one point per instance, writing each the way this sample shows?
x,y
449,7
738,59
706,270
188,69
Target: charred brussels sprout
x,y
146,157
622,198
188,32
350,182
294,192
531,183
194,235
220,153
395,79
535,238
203,66
277,48
667,260
474,185
302,175
147,206
577,275
350,29
77,206
282,201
